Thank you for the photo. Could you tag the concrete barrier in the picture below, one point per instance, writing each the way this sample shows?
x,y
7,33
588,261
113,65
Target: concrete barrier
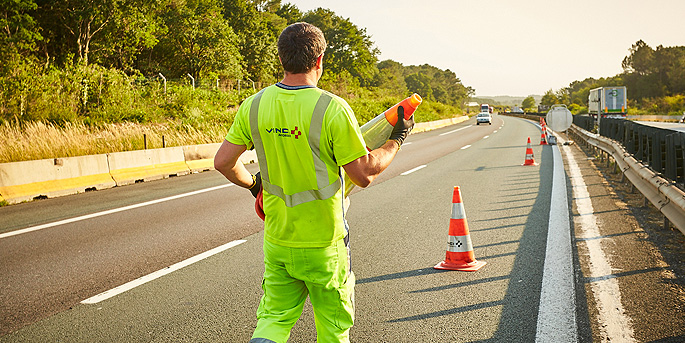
x,y
22,181
27,180
200,158
145,165
433,125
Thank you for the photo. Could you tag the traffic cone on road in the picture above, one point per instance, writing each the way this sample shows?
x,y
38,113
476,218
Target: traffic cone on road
x,y
543,136
530,159
460,254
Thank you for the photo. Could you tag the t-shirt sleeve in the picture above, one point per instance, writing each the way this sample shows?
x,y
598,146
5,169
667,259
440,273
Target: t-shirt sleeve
x,y
348,143
239,133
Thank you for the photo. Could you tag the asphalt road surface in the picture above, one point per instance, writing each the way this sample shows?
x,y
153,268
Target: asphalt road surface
x,y
399,229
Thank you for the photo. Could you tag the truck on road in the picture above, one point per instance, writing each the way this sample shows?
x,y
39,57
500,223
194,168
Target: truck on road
x,y
609,101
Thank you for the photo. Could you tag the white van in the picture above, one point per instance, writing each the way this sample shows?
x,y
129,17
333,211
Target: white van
x,y
485,108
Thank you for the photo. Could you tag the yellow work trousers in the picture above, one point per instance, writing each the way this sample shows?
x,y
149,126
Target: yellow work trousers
x,y
292,274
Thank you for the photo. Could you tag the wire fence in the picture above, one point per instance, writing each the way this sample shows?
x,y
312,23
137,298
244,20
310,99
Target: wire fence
x,y
221,84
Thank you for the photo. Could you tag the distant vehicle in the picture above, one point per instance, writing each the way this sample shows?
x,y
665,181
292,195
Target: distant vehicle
x,y
483,117
485,108
517,110
609,101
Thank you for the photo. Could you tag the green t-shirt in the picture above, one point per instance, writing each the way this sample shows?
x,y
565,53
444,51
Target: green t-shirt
x,y
284,119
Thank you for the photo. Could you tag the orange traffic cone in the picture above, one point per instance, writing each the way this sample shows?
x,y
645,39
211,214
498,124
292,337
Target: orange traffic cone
x,y
530,160
459,248
543,136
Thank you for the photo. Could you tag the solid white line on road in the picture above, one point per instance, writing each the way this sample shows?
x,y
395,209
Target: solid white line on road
x,y
406,143
465,147
115,210
557,311
413,170
147,278
614,324
453,131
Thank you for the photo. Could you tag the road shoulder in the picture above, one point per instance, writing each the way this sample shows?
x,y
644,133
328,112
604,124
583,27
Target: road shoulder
x,y
645,259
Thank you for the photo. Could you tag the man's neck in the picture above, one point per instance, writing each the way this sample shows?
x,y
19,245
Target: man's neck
x,y
302,79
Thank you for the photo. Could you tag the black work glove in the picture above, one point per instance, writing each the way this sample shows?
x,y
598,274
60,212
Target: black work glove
x,y
257,185
402,128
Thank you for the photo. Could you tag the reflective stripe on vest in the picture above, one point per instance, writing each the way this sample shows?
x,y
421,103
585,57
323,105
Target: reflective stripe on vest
x,y
325,190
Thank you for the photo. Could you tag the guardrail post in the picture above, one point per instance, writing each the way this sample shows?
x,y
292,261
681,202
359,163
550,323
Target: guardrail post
x,y
667,223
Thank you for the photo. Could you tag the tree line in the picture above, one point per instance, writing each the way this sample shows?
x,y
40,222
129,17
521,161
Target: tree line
x,y
102,43
654,79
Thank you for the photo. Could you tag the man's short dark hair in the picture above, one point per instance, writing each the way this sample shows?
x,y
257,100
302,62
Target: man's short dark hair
x,y
299,45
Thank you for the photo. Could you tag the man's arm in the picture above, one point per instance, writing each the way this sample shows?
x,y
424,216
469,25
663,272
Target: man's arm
x,y
365,169
227,163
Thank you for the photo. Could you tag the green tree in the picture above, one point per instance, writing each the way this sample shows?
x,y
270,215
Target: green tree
x,y
669,65
528,102
134,29
444,85
290,13
640,60
257,34
391,76
549,99
83,20
198,41
19,30
349,47
420,83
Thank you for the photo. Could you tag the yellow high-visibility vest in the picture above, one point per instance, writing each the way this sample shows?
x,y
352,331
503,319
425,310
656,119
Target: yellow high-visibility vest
x,y
302,137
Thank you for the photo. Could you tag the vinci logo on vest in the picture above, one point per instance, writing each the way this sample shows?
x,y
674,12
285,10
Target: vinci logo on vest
x,y
285,132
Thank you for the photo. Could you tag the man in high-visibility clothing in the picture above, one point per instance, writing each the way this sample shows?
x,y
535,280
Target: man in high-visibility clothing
x,y
303,136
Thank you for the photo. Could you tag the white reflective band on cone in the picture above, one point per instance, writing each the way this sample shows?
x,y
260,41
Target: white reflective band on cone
x,y
459,244
458,211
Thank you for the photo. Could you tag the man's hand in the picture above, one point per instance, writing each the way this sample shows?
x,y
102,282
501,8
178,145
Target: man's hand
x,y
256,185
402,128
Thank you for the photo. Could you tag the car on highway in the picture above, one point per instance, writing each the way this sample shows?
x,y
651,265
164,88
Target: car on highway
x,y
483,117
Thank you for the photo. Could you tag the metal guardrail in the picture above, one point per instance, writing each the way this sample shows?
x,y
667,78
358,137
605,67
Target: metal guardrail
x,y
587,123
662,150
661,192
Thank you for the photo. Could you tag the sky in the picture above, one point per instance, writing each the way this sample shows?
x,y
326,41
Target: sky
x,y
513,47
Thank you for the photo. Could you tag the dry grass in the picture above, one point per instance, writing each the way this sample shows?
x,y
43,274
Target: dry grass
x,y
40,141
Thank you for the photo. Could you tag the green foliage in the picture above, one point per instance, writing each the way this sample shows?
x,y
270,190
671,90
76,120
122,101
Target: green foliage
x,y
391,76
19,32
349,47
420,83
653,78
86,69
577,109
528,102
439,85
549,98
257,34
198,41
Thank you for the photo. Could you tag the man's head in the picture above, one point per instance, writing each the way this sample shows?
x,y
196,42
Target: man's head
x,y
299,46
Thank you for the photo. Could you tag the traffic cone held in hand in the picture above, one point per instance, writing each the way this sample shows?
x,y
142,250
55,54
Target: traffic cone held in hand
x,y
530,160
460,254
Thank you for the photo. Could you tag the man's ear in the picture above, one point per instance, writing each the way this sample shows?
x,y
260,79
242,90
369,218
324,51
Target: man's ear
x,y
319,62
